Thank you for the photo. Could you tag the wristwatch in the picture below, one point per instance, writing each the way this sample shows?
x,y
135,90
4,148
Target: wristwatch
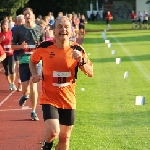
x,y
82,63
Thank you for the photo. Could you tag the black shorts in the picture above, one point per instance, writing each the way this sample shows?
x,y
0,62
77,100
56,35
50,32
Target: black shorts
x,y
145,21
140,20
24,72
8,64
107,21
65,116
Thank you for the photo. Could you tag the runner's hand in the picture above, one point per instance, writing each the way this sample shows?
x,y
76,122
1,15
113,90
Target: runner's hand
x,y
36,78
77,55
24,45
77,52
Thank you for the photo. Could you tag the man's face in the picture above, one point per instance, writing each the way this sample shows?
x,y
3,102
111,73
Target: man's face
x,y
62,30
20,21
28,16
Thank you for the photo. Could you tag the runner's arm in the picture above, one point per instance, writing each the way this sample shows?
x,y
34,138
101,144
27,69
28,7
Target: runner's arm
x,y
2,57
87,68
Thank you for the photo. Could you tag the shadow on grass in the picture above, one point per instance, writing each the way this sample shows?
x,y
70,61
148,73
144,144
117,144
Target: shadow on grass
x,y
123,58
135,38
139,39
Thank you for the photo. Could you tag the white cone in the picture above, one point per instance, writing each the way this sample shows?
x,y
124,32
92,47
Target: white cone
x,y
126,74
107,41
104,35
109,45
118,60
82,89
113,52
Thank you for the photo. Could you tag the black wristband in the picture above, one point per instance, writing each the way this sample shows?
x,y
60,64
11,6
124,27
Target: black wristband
x,y
82,63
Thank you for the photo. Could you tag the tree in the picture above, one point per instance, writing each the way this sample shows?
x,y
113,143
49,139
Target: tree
x,y
55,6
9,7
14,7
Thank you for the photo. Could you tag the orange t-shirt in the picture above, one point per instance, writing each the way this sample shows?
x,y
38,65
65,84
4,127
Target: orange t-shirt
x,y
58,70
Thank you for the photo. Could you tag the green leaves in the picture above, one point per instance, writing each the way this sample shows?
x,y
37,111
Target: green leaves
x,y
9,7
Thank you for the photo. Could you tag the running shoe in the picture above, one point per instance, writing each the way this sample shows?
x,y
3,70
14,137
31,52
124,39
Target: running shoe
x,y
34,116
19,88
23,100
46,146
9,86
13,87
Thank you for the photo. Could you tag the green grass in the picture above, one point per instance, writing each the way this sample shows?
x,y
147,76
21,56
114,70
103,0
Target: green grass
x,y
107,117
101,25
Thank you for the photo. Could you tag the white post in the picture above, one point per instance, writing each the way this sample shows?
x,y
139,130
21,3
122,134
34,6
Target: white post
x,y
97,6
91,6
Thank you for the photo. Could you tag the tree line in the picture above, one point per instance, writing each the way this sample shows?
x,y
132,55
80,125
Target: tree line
x,y
42,7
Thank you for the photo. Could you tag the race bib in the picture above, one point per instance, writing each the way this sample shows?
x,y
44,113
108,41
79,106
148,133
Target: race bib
x,y
61,78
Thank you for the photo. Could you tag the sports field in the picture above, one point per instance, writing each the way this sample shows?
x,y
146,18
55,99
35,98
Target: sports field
x,y
107,117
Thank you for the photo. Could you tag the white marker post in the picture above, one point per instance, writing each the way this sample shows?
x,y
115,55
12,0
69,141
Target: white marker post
x,y
113,52
140,100
109,45
107,41
118,60
126,74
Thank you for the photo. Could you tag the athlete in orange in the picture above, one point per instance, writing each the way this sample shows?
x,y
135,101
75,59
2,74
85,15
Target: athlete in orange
x,y
61,60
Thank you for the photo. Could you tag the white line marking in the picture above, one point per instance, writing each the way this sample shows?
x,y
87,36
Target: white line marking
x,y
6,98
136,63
13,109
25,107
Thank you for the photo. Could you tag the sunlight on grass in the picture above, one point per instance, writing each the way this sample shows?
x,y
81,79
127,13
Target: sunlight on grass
x,y
107,117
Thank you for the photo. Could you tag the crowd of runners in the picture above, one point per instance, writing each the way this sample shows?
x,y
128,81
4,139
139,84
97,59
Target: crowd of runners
x,y
44,48
11,58
140,20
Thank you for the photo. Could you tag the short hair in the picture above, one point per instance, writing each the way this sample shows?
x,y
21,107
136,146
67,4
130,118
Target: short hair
x,y
27,8
42,22
54,25
20,16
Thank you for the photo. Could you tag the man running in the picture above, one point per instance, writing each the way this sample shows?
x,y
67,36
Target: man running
x,y
61,60
30,34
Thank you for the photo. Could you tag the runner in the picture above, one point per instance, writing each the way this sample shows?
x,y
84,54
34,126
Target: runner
x,y
145,19
60,62
19,21
8,62
108,18
31,34
133,19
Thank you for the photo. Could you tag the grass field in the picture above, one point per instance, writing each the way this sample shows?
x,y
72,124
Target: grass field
x,y
101,25
107,117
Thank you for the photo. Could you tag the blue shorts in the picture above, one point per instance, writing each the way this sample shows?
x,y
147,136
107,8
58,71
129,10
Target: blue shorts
x,y
24,72
17,55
